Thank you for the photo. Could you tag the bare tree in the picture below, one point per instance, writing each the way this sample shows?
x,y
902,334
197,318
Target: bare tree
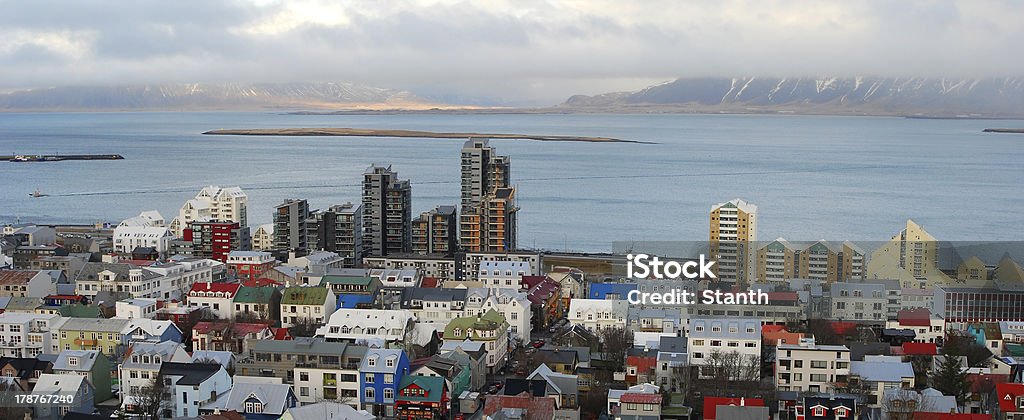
x,y
152,399
902,404
8,408
615,343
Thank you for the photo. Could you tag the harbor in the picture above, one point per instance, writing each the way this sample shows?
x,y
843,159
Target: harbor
x,y
58,158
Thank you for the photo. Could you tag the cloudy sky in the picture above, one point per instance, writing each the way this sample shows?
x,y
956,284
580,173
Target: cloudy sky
x,y
516,51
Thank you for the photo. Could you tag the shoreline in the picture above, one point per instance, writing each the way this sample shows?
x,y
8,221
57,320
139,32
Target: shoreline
x,y
369,132
1004,130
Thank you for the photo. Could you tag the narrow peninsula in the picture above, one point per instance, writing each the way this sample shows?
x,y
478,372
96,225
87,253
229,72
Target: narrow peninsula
x,y
367,132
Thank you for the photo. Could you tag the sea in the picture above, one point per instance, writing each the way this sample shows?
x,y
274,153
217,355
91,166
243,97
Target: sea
x,y
812,177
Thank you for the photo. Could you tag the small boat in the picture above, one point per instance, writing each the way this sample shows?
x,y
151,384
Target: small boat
x,y
37,194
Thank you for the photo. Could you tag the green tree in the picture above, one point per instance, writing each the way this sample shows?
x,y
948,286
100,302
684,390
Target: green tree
x,y
951,379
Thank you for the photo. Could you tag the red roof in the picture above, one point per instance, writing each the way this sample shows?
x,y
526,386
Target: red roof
x,y
918,317
983,382
772,328
783,296
261,282
281,334
928,349
711,404
16,276
640,398
1008,394
843,327
241,328
215,287
430,282
531,281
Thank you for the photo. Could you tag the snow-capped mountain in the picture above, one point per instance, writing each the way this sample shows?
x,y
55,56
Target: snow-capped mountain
x,y
909,96
208,96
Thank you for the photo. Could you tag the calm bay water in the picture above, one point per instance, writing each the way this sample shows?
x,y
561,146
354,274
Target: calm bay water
x,y
812,177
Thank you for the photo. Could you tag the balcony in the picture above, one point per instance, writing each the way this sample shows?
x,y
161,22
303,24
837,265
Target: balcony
x,y
85,341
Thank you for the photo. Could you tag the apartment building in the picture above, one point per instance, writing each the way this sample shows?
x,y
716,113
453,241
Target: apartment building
x,y
317,370
339,229
228,204
156,281
142,231
142,364
911,257
502,274
733,231
489,208
472,260
779,261
491,328
810,367
192,385
25,334
376,326
387,212
263,237
29,283
874,301
436,232
216,297
380,373
290,228
311,305
435,266
249,265
707,336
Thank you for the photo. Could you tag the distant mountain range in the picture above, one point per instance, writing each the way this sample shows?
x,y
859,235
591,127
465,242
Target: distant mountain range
x,y
992,97
212,96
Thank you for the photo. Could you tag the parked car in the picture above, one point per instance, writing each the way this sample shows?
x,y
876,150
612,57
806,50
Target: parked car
x,y
537,344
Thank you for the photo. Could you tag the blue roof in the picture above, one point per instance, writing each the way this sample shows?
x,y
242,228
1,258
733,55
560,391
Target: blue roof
x,y
601,290
350,301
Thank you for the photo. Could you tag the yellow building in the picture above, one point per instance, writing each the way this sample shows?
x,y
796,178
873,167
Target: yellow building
x,y
100,334
733,231
911,257
973,269
780,260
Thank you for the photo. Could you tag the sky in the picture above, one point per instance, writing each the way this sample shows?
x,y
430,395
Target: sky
x,y
517,52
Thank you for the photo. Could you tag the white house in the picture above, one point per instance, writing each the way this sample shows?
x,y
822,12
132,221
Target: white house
x,y
217,297
395,278
507,274
510,303
598,314
66,384
370,325
135,308
145,230
142,364
880,373
25,334
192,385
312,304
707,336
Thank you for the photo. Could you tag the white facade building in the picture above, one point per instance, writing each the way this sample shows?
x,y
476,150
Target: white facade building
x,y
135,308
263,237
807,367
142,365
25,334
395,278
508,274
373,326
158,281
598,314
228,204
145,230
707,336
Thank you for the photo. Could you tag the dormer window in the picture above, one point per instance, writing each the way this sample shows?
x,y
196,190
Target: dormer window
x,y
72,361
371,362
842,412
818,411
390,363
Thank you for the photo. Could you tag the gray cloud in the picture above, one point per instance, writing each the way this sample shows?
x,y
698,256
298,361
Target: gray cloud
x,y
532,52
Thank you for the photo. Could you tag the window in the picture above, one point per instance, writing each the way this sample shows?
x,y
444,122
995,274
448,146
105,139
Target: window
x,y
819,364
389,393
842,412
368,378
818,411
72,361
390,363
698,342
253,406
371,362
389,379
369,393
304,391
304,376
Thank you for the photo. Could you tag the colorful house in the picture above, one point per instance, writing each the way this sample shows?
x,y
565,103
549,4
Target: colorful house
x,y
380,373
422,397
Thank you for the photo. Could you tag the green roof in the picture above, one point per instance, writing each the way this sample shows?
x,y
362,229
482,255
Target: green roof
x,y
299,295
81,311
356,280
433,385
254,294
492,320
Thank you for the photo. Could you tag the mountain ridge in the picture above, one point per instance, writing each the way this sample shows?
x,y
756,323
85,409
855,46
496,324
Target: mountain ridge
x,y
867,95
326,95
